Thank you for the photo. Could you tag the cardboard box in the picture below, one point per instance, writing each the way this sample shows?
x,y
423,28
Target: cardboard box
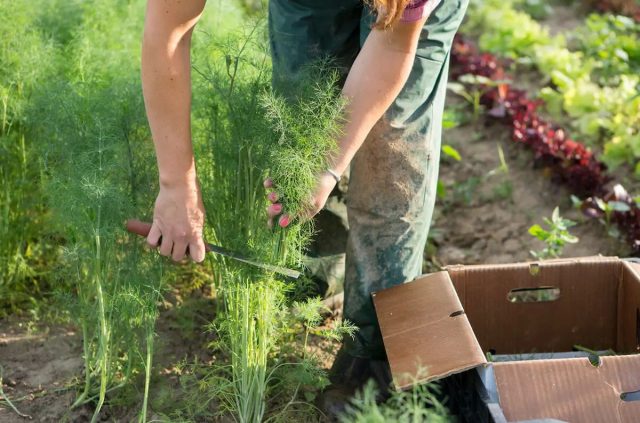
x,y
445,323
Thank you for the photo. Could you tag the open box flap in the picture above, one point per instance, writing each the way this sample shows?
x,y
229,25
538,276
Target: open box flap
x,y
571,389
425,331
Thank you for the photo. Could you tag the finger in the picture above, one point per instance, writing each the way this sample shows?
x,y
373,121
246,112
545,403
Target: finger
x,y
166,246
274,210
284,221
268,183
270,223
272,196
197,250
153,239
179,250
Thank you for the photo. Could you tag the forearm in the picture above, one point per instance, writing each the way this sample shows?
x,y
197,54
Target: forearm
x,y
375,80
166,83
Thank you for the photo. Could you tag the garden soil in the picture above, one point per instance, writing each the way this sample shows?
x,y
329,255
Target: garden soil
x,y
41,361
38,363
485,213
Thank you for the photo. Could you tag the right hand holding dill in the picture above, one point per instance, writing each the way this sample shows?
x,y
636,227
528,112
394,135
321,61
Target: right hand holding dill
x,y
325,184
178,222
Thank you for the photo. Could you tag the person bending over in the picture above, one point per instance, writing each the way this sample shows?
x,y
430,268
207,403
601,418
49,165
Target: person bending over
x,y
395,58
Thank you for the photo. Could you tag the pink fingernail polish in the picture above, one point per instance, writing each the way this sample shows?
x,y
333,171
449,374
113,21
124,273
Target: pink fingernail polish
x,y
276,208
284,221
268,183
273,197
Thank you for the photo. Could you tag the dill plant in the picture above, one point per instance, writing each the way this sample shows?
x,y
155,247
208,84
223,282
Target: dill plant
x,y
230,157
89,124
90,196
25,60
244,132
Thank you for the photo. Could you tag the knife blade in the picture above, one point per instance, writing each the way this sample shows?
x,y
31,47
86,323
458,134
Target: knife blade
x,y
142,228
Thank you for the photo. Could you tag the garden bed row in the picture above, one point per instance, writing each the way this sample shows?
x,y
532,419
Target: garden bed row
x,y
571,162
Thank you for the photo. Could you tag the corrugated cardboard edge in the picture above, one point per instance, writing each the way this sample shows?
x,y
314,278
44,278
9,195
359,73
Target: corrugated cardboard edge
x,y
570,389
426,343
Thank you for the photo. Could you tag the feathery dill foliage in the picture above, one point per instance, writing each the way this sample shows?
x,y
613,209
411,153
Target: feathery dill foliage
x,y
244,132
25,60
89,126
307,119
89,185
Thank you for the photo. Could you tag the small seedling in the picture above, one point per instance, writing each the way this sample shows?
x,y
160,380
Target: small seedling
x,y
555,238
453,117
472,88
504,190
609,208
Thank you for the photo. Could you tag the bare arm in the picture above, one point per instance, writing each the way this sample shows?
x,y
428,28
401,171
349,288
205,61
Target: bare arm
x,y
166,82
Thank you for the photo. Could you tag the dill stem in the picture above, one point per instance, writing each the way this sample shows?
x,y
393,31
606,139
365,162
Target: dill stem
x,y
147,375
87,371
104,333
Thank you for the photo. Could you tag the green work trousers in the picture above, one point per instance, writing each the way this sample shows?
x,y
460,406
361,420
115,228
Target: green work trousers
x,y
393,177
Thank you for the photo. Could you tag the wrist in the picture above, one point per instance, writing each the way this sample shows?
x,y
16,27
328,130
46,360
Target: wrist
x,y
340,166
178,180
335,175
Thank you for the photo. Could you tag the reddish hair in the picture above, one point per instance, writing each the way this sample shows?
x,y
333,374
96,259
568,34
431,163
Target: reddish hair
x,y
389,12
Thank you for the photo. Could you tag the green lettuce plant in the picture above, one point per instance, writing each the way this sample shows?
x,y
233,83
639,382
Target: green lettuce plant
x,y
595,84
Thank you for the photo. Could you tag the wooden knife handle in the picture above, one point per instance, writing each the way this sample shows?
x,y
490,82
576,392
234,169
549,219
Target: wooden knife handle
x,y
138,227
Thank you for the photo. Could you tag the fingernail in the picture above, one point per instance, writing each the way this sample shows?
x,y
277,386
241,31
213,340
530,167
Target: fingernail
x,y
272,196
284,221
276,208
268,183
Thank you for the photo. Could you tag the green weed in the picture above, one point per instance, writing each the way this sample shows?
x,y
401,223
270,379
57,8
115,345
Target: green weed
x,y
555,238
418,404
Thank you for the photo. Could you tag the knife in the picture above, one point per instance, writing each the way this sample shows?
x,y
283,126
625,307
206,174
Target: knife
x,y
142,228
